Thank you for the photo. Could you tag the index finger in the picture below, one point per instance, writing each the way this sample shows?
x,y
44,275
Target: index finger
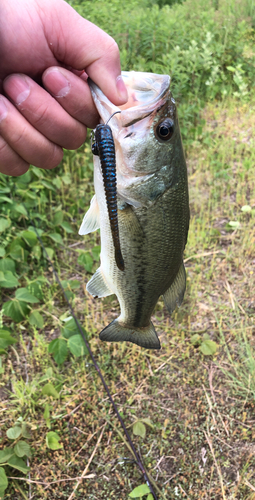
x,y
82,45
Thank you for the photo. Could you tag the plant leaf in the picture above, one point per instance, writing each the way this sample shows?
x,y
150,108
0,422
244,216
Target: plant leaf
x,y
18,463
8,280
52,441
5,454
58,348
140,491
49,390
36,319
22,448
14,432
77,345
208,347
139,429
4,224
25,296
3,481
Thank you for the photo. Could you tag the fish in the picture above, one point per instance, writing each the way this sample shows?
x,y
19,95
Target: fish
x,y
152,208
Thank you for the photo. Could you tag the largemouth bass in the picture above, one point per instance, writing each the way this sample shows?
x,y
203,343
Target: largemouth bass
x,y
152,208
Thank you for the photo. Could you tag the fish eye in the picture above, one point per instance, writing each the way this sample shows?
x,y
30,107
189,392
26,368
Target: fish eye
x,y
165,130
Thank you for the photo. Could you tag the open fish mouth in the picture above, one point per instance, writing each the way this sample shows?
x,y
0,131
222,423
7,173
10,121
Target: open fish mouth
x,y
146,93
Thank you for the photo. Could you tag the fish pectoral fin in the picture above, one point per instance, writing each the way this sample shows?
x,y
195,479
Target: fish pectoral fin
x,y
144,337
98,286
91,221
174,295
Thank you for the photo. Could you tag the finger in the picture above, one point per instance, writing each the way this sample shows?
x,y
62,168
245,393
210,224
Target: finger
x,y
90,49
10,162
73,93
43,112
25,140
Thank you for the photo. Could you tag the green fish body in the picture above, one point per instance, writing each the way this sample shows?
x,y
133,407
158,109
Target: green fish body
x,y
153,209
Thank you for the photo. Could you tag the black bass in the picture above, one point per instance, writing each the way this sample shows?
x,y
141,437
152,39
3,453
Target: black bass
x,y
152,208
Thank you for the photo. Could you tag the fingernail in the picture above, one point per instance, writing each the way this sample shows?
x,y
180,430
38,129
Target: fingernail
x,y
17,88
56,83
3,109
121,87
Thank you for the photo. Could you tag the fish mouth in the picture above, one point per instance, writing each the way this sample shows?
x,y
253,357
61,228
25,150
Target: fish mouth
x,y
146,92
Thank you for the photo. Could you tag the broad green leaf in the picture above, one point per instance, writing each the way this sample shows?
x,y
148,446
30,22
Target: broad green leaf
x,y
246,208
58,348
20,209
15,310
18,253
37,252
3,481
58,218
29,237
195,339
4,224
86,260
52,441
36,319
49,390
9,280
71,329
67,227
5,199
208,347
150,497
22,449
6,339
35,288
24,295
7,264
235,224
50,252
18,463
2,251
5,454
140,491
14,432
139,429
48,185
26,430
2,278
46,413
77,345
56,237
96,252
147,421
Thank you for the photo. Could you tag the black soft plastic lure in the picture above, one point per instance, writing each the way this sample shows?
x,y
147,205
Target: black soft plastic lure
x,y
103,146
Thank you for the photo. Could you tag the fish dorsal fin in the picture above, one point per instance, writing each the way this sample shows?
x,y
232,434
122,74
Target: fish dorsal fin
x,y
174,295
144,337
91,221
97,286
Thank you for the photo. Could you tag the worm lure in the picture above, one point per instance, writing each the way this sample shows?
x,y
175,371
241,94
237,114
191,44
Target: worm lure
x,y
103,146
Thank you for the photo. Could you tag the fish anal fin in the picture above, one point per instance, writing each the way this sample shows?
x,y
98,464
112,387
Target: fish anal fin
x,y
144,337
91,221
174,295
97,286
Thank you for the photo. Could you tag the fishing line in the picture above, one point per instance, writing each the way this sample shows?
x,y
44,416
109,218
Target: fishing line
x,y
138,460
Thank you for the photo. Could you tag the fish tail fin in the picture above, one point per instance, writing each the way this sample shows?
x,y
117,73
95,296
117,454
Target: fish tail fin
x,y
144,337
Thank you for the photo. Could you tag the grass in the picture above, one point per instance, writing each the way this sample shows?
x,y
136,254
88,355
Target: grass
x,y
200,443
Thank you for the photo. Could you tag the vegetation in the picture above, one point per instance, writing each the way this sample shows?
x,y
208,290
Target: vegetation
x,y
190,406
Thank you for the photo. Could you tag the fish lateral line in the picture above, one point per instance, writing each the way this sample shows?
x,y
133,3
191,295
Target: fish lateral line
x,y
104,148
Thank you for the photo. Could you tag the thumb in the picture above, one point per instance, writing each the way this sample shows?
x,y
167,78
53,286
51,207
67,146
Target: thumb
x,y
80,44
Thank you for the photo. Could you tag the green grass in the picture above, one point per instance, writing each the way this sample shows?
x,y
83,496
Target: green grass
x,y
199,441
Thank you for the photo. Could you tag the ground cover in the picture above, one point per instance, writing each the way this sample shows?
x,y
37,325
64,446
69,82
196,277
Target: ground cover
x,y
198,410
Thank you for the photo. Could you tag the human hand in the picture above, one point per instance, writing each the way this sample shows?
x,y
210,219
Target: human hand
x,y
45,42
